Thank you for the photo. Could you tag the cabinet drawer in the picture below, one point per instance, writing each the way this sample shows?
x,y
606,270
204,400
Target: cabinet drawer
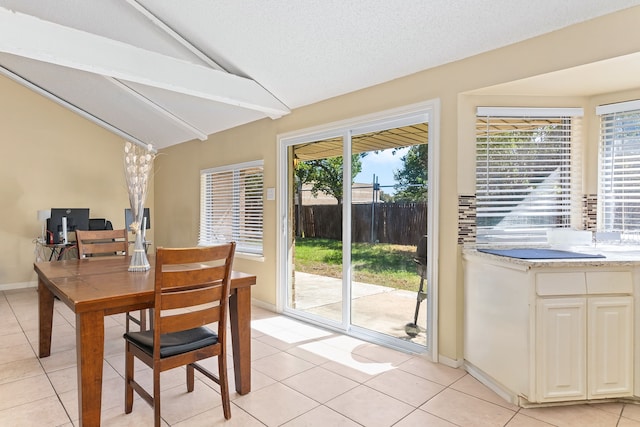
x,y
609,282
566,283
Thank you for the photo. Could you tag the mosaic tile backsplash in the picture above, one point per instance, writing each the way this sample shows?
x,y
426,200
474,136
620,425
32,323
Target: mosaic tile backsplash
x,y
467,216
590,211
466,219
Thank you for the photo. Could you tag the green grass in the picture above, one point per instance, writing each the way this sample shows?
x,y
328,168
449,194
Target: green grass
x,y
376,263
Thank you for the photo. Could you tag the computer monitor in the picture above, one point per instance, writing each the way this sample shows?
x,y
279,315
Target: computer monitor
x,y
128,218
100,224
77,219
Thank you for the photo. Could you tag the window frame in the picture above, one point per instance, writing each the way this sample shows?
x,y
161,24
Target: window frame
x,y
619,139
524,202
232,207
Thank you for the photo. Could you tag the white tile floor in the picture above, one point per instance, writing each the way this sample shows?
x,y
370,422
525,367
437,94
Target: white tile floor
x,y
302,376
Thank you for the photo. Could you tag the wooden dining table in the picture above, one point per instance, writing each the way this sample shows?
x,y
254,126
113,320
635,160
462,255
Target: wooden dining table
x,y
97,287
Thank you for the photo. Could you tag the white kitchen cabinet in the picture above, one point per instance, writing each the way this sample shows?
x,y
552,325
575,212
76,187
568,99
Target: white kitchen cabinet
x,y
561,349
610,355
584,348
547,331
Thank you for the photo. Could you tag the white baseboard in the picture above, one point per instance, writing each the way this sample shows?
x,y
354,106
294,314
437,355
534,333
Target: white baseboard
x,y
262,304
452,363
490,383
18,285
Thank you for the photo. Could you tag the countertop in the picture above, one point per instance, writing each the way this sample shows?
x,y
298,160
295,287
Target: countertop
x,y
615,255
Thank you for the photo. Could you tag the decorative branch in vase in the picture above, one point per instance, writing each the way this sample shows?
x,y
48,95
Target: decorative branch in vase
x,y
138,162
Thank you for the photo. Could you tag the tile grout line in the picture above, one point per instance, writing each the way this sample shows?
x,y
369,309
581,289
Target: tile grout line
x,y
35,353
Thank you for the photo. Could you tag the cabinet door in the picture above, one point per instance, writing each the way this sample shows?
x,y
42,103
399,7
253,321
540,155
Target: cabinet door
x,y
610,346
561,349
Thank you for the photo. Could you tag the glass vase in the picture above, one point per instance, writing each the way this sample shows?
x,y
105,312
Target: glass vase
x,y
139,260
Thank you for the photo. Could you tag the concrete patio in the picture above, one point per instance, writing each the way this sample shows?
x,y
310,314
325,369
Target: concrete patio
x,y
375,307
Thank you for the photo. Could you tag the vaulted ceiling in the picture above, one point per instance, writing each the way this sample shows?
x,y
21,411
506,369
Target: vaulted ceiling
x,y
166,71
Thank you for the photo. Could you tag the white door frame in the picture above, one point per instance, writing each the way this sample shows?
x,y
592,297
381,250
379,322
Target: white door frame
x,y
428,111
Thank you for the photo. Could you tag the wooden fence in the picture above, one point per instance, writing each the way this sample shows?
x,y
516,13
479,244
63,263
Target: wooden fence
x,y
396,223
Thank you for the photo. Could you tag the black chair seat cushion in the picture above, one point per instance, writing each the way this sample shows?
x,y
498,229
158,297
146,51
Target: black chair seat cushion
x,y
174,343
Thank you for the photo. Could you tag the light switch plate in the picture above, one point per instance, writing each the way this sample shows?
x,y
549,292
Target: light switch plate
x,y
271,193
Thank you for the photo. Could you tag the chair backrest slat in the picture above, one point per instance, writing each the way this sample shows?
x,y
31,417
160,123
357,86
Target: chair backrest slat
x,y
195,255
191,297
204,274
102,248
102,242
189,320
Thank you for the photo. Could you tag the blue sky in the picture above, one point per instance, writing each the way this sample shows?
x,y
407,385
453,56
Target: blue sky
x,y
383,164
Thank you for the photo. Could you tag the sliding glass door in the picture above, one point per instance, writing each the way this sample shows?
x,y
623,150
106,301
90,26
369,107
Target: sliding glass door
x,y
355,229
388,221
316,269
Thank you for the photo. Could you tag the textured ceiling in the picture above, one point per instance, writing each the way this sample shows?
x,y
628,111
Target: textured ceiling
x,y
165,72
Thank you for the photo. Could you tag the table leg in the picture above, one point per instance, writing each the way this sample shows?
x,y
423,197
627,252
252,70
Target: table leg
x,y
240,318
89,354
45,318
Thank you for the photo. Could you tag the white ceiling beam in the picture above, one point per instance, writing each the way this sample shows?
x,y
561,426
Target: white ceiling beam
x,y
33,38
168,30
160,109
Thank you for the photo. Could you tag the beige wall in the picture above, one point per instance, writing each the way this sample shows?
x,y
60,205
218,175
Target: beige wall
x,y
44,130
51,158
177,197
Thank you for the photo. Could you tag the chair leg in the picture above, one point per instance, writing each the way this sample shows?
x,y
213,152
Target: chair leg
x,y
156,397
143,320
128,377
224,385
190,378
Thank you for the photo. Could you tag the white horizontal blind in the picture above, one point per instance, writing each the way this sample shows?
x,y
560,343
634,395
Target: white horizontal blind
x,y
619,196
524,169
231,206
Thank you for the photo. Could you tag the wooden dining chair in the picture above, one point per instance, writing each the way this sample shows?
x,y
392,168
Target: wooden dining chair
x,y
94,243
191,291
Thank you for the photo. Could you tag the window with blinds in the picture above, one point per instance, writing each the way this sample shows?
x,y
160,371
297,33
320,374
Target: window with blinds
x,y
525,170
231,207
619,192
